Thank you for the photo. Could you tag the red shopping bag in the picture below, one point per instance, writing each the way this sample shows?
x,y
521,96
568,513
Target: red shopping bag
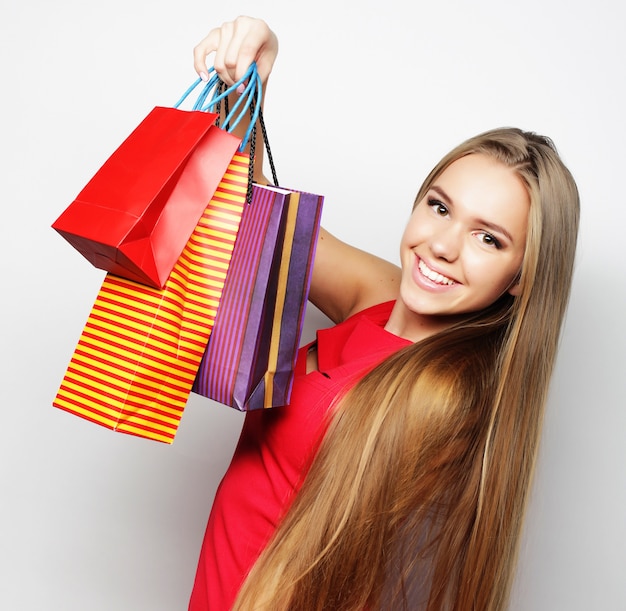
x,y
134,217
251,354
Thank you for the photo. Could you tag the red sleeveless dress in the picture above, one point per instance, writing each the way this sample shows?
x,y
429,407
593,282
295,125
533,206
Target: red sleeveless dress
x,y
274,451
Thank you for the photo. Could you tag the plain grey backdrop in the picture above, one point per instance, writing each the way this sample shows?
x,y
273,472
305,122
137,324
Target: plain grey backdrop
x,y
365,98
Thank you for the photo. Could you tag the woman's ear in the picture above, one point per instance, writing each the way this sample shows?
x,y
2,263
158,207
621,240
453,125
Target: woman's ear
x,y
516,288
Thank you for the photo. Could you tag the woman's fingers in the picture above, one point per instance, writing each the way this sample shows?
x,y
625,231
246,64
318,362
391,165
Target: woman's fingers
x,y
236,45
251,40
203,49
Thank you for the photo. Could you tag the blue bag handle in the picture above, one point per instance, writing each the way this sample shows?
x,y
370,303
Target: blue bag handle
x,y
251,96
215,92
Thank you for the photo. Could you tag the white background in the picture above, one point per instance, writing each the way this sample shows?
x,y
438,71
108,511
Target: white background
x,y
365,98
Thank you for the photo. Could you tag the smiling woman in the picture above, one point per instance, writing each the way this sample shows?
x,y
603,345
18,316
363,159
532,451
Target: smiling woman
x,y
397,478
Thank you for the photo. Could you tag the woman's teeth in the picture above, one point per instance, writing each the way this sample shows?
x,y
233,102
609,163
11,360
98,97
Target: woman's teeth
x,y
432,275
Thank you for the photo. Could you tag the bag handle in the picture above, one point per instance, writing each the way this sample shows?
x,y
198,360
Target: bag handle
x,y
249,100
214,92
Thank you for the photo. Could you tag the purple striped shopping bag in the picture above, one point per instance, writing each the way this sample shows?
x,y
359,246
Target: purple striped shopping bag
x,y
249,361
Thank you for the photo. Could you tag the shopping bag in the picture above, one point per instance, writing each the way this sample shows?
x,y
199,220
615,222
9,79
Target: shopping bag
x,y
137,357
250,357
134,217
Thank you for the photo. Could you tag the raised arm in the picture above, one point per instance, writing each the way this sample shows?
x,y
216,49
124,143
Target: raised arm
x,y
345,279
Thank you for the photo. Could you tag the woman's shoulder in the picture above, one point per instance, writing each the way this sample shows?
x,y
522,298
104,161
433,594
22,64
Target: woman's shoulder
x,y
379,312
359,340
365,322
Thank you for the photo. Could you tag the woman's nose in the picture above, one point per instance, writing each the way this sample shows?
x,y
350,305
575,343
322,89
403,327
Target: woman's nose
x,y
446,243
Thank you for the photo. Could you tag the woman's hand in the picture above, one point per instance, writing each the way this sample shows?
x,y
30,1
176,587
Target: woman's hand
x,y
236,45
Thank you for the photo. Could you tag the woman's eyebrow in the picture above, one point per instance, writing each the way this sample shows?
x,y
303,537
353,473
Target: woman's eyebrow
x,y
441,193
487,224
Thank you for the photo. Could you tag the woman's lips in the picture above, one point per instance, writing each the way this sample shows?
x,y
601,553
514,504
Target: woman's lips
x,y
430,277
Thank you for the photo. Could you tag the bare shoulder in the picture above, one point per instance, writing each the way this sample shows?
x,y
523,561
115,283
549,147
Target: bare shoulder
x,y
347,279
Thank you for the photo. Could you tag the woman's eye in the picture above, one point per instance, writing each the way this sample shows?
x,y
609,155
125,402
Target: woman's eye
x,y
489,240
438,207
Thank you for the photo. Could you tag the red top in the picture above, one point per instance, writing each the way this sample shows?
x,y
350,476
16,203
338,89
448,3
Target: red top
x,y
274,451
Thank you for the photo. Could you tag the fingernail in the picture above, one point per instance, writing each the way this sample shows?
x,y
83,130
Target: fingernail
x,y
241,89
204,76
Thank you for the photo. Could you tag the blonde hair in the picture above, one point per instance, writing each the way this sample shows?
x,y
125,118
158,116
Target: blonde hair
x,y
416,496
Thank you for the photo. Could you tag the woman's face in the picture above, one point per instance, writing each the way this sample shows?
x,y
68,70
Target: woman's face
x,y
464,244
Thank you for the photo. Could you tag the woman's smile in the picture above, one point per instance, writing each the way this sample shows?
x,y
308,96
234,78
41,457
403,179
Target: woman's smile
x,y
432,275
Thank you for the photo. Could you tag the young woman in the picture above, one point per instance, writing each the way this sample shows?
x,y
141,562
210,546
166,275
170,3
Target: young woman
x,y
398,475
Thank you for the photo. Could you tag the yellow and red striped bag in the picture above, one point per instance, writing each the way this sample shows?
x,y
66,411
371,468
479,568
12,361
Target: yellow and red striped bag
x,y
136,360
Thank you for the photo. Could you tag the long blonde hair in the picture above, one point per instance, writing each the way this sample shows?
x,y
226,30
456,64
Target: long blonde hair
x,y
416,496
